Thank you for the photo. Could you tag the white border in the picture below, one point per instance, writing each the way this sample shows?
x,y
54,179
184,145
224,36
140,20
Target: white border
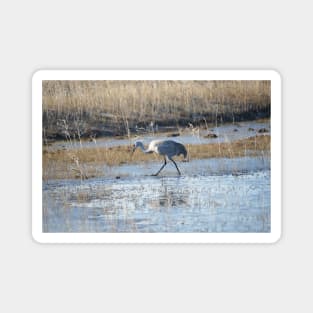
x,y
271,237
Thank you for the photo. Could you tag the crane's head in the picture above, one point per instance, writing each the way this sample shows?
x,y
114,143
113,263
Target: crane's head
x,y
136,145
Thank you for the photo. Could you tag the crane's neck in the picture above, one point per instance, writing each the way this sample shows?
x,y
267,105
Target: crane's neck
x,y
142,148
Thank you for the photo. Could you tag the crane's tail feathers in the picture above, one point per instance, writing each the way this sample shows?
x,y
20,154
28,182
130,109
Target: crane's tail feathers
x,y
186,156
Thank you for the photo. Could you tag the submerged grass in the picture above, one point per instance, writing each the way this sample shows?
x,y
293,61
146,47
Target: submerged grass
x,y
86,162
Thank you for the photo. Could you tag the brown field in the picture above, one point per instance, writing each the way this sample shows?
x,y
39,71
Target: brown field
x,y
88,162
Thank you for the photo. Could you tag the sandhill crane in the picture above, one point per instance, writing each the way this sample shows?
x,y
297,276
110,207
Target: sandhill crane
x,y
167,148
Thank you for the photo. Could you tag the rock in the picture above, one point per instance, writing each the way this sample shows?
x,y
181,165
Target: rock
x,y
263,130
211,135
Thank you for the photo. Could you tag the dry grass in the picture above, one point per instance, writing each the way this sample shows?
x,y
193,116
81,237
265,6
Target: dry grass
x,y
151,98
89,162
252,146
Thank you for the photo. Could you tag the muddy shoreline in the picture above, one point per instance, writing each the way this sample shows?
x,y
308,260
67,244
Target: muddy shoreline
x,y
56,128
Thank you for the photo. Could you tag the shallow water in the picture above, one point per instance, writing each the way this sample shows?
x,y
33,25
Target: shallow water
x,y
214,195
225,133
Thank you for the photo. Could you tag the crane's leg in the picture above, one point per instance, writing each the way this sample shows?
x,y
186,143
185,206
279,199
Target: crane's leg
x,y
160,168
176,166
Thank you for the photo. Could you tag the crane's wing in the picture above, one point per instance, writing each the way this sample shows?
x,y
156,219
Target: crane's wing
x,y
169,148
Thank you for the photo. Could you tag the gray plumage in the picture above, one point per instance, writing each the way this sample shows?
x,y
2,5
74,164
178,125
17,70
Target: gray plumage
x,y
167,148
